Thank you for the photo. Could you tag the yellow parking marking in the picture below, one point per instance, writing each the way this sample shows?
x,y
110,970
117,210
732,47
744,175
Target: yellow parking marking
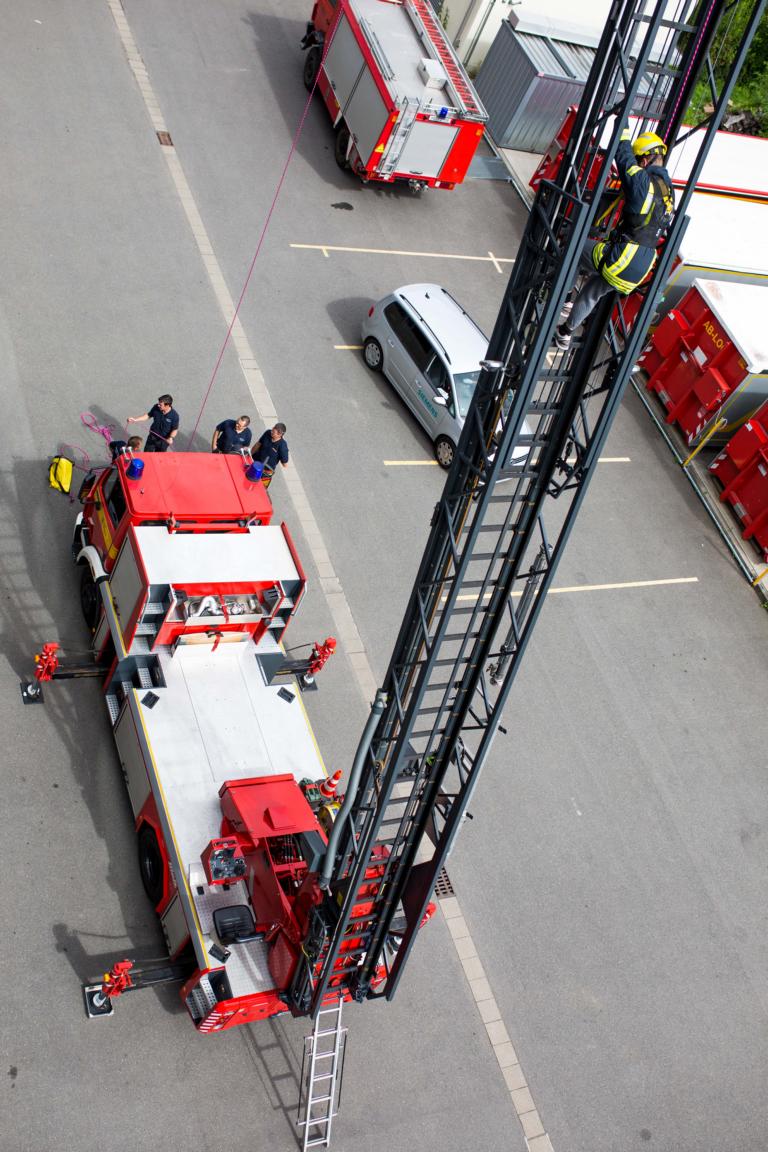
x,y
602,587
410,463
433,463
625,584
347,347
327,248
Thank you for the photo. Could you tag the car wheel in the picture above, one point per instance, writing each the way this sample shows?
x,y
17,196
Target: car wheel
x,y
342,146
151,864
373,355
90,600
445,450
311,68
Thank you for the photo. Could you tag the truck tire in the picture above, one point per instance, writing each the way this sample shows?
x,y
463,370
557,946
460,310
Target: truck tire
x,y
341,147
311,68
90,600
151,865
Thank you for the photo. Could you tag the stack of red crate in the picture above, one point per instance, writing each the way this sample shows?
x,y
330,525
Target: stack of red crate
x,y
693,362
742,469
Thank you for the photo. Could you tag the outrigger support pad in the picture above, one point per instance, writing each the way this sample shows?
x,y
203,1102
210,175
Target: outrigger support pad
x,y
130,975
98,997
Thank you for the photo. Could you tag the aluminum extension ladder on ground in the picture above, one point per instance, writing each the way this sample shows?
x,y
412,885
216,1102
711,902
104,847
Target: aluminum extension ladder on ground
x,y
321,1076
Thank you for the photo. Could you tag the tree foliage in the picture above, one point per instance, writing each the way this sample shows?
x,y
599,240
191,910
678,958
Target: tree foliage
x,y
748,111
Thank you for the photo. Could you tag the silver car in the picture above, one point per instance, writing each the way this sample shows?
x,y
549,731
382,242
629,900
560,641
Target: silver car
x,y
430,351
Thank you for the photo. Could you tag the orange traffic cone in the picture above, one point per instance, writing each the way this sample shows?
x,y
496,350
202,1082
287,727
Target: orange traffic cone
x,y
330,784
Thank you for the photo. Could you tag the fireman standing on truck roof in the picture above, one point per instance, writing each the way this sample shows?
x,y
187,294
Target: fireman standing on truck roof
x,y
623,261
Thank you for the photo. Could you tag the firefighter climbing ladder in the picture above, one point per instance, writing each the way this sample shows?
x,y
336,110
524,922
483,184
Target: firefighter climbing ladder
x,y
321,1077
528,450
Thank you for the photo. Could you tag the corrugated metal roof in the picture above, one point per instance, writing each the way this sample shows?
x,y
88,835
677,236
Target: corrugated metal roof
x,y
556,57
577,57
527,82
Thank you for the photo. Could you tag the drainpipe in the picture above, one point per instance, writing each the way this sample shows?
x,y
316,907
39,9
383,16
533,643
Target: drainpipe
x,y
478,34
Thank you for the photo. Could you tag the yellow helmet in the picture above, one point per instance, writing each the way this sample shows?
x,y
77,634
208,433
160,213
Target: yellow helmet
x,y
648,143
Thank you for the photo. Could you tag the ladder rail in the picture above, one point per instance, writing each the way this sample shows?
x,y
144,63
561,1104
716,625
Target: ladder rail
x,y
318,1086
491,548
431,34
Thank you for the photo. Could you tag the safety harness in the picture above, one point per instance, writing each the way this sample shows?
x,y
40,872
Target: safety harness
x,y
626,259
649,224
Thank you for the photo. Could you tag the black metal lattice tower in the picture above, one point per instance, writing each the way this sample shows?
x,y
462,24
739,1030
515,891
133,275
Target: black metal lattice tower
x,y
527,453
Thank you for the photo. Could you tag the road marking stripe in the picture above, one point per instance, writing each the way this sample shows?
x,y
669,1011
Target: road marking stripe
x,y
326,248
348,347
433,463
410,463
601,587
495,262
346,629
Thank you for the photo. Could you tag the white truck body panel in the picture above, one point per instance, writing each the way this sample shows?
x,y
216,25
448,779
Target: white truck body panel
x,y
726,240
214,718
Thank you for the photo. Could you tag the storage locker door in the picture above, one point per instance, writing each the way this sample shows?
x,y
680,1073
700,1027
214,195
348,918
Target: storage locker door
x,y
426,149
366,117
344,63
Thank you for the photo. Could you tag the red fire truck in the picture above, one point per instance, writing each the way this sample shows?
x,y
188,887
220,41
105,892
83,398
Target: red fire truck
x,y
401,104
188,587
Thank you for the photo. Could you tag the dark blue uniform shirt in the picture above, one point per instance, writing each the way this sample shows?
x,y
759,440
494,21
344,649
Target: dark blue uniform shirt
x,y
163,423
230,439
271,452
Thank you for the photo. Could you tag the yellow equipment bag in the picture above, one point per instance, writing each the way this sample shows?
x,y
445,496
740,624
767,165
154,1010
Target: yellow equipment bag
x,y
60,474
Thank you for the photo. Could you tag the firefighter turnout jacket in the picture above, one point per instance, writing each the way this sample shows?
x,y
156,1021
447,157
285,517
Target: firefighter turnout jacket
x,y
628,256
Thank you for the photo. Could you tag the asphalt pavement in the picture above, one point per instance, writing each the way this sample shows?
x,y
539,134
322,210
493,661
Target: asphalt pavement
x,y
612,878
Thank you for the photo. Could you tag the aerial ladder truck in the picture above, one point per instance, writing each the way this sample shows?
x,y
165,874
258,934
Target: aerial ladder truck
x,y
330,910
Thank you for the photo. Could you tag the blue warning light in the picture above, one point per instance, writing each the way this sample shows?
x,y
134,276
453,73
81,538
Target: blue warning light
x,y
442,113
254,471
135,469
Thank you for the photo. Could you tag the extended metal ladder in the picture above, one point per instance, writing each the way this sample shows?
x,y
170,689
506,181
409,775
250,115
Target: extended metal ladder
x,y
433,37
529,448
321,1075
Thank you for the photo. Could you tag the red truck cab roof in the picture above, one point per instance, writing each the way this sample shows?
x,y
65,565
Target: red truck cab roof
x,y
185,491
193,487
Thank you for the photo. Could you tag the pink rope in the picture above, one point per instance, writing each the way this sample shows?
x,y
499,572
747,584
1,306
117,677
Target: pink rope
x,y
105,430
83,464
292,150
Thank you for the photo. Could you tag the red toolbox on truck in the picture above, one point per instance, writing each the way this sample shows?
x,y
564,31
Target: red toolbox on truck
x,y
708,358
742,469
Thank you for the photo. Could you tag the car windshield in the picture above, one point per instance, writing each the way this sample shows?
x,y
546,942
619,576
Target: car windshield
x,y
465,389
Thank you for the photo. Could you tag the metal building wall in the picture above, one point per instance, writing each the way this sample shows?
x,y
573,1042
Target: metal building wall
x,y
526,88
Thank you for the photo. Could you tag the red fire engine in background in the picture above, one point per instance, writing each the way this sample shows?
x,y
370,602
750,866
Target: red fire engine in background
x,y
401,104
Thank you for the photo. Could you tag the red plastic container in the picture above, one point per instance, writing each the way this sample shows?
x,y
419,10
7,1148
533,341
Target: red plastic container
x,y
742,469
708,357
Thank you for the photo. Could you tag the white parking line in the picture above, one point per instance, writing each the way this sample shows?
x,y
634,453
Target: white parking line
x,y
497,261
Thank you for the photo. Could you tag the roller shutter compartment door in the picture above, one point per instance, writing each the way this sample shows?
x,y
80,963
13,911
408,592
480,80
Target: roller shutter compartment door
x,y
426,149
